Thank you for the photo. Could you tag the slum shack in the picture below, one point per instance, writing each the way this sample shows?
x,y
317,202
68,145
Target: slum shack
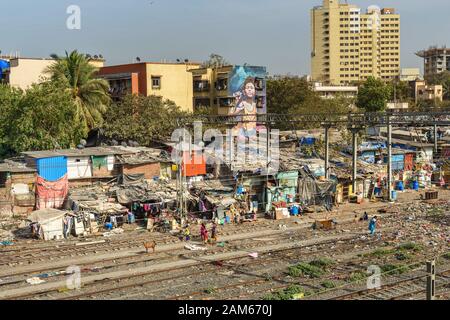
x,y
17,187
47,224
211,199
77,166
154,164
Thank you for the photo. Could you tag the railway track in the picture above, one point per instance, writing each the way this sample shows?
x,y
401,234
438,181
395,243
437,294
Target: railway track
x,y
399,289
124,282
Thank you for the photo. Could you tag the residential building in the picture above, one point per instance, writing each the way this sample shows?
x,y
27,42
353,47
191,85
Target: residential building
x,y
172,81
436,60
424,91
23,72
349,46
410,74
212,87
329,92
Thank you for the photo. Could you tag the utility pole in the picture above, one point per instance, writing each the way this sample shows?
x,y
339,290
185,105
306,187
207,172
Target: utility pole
x,y
355,158
431,280
435,139
327,150
389,157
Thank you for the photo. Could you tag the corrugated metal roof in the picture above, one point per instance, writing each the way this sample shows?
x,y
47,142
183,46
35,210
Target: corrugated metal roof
x,y
94,151
15,167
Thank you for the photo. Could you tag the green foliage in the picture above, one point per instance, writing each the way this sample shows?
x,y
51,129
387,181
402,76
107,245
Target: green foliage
x,y
305,269
410,246
9,104
210,290
322,263
141,119
403,256
380,252
447,256
391,269
328,284
356,276
46,119
77,76
401,91
286,294
373,95
293,95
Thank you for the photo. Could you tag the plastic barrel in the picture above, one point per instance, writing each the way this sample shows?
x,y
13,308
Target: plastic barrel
x,y
416,185
294,210
400,186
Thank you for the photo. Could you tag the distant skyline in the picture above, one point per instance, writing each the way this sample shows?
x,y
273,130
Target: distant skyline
x,y
272,33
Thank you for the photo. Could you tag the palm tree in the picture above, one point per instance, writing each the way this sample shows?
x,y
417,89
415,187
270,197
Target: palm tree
x,y
90,94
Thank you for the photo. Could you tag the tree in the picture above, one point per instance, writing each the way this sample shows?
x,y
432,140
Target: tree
x,y
215,61
9,101
373,95
43,118
287,93
77,76
141,119
293,95
400,91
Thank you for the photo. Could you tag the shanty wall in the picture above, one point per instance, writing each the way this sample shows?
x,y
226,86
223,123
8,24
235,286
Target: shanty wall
x,y
19,192
150,170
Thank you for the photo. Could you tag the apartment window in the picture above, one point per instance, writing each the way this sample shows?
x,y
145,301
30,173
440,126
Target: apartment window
x,y
226,102
156,82
201,85
202,102
222,84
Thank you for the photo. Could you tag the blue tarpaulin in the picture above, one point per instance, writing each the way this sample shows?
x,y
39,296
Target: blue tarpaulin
x,y
52,169
3,65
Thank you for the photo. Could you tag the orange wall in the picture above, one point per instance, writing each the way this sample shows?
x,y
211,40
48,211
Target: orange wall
x,y
139,80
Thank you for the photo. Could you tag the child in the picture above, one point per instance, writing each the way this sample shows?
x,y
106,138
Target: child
x,y
187,234
214,232
204,233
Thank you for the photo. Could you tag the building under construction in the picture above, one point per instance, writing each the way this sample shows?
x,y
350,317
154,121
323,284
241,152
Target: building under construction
x,y
436,60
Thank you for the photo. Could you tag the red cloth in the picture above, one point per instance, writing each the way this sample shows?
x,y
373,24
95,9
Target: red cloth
x,y
51,194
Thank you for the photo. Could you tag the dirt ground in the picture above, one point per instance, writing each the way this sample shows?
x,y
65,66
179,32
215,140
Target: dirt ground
x,y
266,259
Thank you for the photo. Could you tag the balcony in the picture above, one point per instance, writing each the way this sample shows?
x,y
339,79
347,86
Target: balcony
x,y
201,86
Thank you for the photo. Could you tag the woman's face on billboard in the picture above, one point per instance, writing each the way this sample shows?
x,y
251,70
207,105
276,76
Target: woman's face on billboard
x,y
250,90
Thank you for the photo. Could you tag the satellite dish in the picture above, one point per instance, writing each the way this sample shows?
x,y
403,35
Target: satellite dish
x,y
88,56
178,60
186,60
96,57
101,57
138,59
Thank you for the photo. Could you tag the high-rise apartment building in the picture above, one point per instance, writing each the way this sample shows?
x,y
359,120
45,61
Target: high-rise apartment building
x,y
349,46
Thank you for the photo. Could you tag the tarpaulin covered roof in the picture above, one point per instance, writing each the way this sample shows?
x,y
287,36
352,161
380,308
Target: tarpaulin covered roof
x,y
46,215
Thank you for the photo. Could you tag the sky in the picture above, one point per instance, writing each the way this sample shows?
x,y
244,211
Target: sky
x,y
272,33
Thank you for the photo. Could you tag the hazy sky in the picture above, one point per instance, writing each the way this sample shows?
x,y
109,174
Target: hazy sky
x,y
274,33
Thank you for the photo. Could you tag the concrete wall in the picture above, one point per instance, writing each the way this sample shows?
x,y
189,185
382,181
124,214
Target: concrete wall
x,y
25,72
176,83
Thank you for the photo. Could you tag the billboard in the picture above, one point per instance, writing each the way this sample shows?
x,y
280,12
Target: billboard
x,y
247,85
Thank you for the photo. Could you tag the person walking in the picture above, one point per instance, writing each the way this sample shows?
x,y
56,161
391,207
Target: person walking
x,y
204,233
214,232
373,225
